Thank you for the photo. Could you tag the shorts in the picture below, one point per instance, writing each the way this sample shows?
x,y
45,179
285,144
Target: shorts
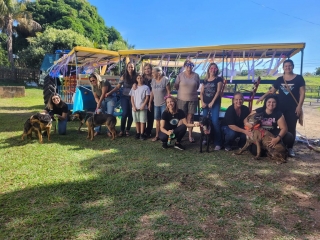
x,y
189,107
140,116
158,110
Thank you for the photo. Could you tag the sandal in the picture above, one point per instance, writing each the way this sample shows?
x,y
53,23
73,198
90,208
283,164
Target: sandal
x,y
120,134
191,139
127,133
155,139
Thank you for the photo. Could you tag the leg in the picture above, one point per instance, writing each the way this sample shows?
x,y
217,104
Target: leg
x,y
291,120
109,108
258,144
48,130
190,120
130,119
216,125
62,127
150,117
180,132
229,137
125,109
243,139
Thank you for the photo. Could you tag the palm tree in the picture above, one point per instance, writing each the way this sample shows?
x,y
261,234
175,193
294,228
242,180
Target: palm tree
x,y
12,14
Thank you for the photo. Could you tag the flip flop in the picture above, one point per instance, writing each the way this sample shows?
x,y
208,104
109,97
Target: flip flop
x,y
127,133
155,139
191,140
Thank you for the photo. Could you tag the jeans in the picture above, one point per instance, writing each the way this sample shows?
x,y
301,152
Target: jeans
x,y
150,117
229,136
158,110
126,112
215,122
62,126
108,106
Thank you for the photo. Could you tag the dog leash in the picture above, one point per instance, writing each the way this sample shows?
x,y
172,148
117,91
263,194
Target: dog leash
x,y
55,116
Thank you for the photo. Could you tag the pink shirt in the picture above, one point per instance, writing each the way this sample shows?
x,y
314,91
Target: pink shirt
x,y
187,87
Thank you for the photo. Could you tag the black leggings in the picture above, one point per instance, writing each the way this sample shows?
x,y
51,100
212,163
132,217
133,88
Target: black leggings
x,y
287,140
291,119
179,132
150,119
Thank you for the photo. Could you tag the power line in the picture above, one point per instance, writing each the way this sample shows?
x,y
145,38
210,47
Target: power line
x,y
264,6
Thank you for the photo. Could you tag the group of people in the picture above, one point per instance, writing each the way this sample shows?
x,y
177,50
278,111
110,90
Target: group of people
x,y
146,98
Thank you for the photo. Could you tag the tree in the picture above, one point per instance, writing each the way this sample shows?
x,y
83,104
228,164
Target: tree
x,y
12,11
49,41
317,71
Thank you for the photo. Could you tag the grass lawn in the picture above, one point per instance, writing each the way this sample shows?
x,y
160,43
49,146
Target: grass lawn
x,y
73,188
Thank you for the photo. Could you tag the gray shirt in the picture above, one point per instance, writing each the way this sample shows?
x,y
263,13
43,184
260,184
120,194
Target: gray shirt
x,y
139,95
159,90
188,87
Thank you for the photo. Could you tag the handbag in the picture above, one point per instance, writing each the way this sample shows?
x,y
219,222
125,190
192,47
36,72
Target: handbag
x,y
301,114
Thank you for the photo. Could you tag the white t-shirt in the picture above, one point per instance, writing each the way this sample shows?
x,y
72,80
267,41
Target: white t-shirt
x,y
139,95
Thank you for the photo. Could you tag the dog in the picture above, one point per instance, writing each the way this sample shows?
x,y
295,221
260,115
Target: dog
x,y
108,120
205,128
37,123
82,116
261,138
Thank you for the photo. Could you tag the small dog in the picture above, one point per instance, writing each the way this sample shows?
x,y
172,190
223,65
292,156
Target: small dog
x,y
82,116
37,123
205,128
108,120
261,138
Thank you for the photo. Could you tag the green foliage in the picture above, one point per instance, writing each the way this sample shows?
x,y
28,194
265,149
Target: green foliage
x,y
49,41
118,45
79,15
317,71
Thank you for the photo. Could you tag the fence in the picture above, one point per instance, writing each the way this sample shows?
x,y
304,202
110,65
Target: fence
x,y
19,75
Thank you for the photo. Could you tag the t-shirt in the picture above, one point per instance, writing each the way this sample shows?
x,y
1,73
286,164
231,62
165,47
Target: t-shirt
x,y
140,95
127,85
159,90
286,100
98,91
188,87
171,121
58,110
231,117
147,82
210,89
269,121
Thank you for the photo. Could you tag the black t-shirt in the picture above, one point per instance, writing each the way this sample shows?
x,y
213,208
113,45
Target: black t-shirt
x,y
269,121
231,117
171,121
286,100
210,89
58,110
147,82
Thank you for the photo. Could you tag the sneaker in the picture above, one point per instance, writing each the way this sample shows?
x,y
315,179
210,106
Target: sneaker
x,y
291,152
143,137
164,145
227,148
179,146
217,148
137,135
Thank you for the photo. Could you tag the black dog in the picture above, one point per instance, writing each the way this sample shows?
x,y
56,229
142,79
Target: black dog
x,y
205,128
82,116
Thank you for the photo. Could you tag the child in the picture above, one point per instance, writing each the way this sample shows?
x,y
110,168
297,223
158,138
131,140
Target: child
x,y
139,101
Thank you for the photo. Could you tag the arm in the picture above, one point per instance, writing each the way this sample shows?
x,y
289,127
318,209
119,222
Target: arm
x,y
219,86
283,130
145,102
104,91
162,129
150,102
132,103
271,91
203,105
184,121
240,130
302,91
177,82
168,89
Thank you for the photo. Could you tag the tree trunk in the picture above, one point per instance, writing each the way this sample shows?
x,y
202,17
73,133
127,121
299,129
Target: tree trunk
x,y
8,23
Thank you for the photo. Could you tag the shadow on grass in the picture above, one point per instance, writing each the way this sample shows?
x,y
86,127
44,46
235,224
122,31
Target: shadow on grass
x,y
137,194
36,107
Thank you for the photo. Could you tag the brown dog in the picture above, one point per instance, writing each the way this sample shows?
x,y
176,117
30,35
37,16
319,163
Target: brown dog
x,y
37,123
82,116
262,138
108,120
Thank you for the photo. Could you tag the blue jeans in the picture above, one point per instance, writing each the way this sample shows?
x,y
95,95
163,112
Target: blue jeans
x,y
215,122
229,136
62,126
158,110
108,106
125,102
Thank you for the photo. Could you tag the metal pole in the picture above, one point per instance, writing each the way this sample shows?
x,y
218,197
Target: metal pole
x,y
119,65
222,62
302,51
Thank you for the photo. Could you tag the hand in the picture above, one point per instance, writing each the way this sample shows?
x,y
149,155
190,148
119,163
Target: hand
x,y
203,105
134,109
196,124
149,107
273,142
249,125
298,111
210,104
142,107
248,133
169,132
107,94
134,86
259,100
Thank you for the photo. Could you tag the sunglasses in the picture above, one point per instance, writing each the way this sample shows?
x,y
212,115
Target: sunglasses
x,y
55,98
189,65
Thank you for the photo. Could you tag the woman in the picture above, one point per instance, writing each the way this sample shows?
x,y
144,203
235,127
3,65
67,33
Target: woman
x,y
173,120
232,123
211,100
147,77
160,88
127,80
273,121
295,84
58,109
187,84
100,88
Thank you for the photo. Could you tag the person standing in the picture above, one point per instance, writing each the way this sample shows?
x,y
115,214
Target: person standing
x,y
147,78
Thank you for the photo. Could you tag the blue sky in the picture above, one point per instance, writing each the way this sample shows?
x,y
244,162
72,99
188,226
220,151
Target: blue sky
x,y
175,23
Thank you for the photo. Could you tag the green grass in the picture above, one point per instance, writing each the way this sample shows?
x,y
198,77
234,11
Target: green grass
x,y
73,188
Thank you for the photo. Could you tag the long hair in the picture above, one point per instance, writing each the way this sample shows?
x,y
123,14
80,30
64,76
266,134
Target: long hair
x,y
175,109
97,77
288,61
275,97
50,103
126,75
215,74
144,66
